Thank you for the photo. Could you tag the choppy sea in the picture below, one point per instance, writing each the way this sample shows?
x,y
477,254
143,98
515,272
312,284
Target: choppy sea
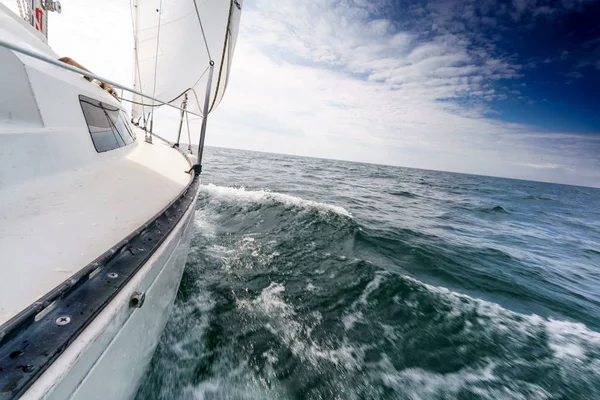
x,y
320,279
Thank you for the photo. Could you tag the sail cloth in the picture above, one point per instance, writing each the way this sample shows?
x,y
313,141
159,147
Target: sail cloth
x,y
174,42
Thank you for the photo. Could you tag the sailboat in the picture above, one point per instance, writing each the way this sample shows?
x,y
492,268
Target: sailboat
x,y
95,209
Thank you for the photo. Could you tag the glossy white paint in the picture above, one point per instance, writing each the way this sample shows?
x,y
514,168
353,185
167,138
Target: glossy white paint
x,y
54,226
109,358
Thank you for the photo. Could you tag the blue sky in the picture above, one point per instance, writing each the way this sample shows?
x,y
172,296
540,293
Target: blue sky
x,y
502,88
557,46
554,48
495,88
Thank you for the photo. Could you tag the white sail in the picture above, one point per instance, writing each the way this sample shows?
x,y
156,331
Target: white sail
x,y
175,40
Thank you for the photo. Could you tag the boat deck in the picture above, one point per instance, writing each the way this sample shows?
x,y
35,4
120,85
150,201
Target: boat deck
x,y
54,226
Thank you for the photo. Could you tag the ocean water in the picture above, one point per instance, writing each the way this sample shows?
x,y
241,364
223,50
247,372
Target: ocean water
x,y
320,279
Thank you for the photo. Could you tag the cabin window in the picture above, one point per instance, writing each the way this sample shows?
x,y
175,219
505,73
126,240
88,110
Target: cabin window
x,y
106,124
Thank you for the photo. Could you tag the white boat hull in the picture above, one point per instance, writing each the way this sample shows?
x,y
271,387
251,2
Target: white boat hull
x,y
109,358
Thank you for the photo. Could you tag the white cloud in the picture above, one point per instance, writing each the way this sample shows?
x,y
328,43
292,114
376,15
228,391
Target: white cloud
x,y
352,88
541,166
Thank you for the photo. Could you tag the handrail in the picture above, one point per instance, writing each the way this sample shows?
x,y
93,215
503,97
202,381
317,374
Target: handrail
x,y
71,68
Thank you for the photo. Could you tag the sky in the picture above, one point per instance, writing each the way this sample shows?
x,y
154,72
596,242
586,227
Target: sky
x,y
507,88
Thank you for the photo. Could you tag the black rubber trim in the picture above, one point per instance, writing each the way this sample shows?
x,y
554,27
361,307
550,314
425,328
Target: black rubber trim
x,y
28,347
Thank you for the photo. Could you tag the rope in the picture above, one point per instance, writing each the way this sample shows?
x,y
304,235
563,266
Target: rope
x,y
227,32
168,102
197,101
202,29
194,90
190,89
229,56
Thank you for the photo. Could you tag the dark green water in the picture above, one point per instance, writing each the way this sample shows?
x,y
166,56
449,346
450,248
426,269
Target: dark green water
x,y
317,279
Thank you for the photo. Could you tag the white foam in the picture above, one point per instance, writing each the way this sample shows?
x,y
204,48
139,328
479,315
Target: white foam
x,y
202,225
233,382
572,343
371,287
567,350
355,316
270,302
311,288
264,196
349,320
270,356
203,303
568,340
419,384
245,253
486,379
284,323
389,332
205,390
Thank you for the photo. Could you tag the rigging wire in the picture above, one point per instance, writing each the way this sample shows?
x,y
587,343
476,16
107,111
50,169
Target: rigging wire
x,y
190,89
155,66
199,113
137,62
202,29
156,55
225,54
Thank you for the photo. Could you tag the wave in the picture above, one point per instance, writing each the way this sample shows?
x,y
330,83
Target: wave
x,y
266,197
445,345
533,197
452,344
375,334
285,297
403,193
592,252
493,210
287,326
